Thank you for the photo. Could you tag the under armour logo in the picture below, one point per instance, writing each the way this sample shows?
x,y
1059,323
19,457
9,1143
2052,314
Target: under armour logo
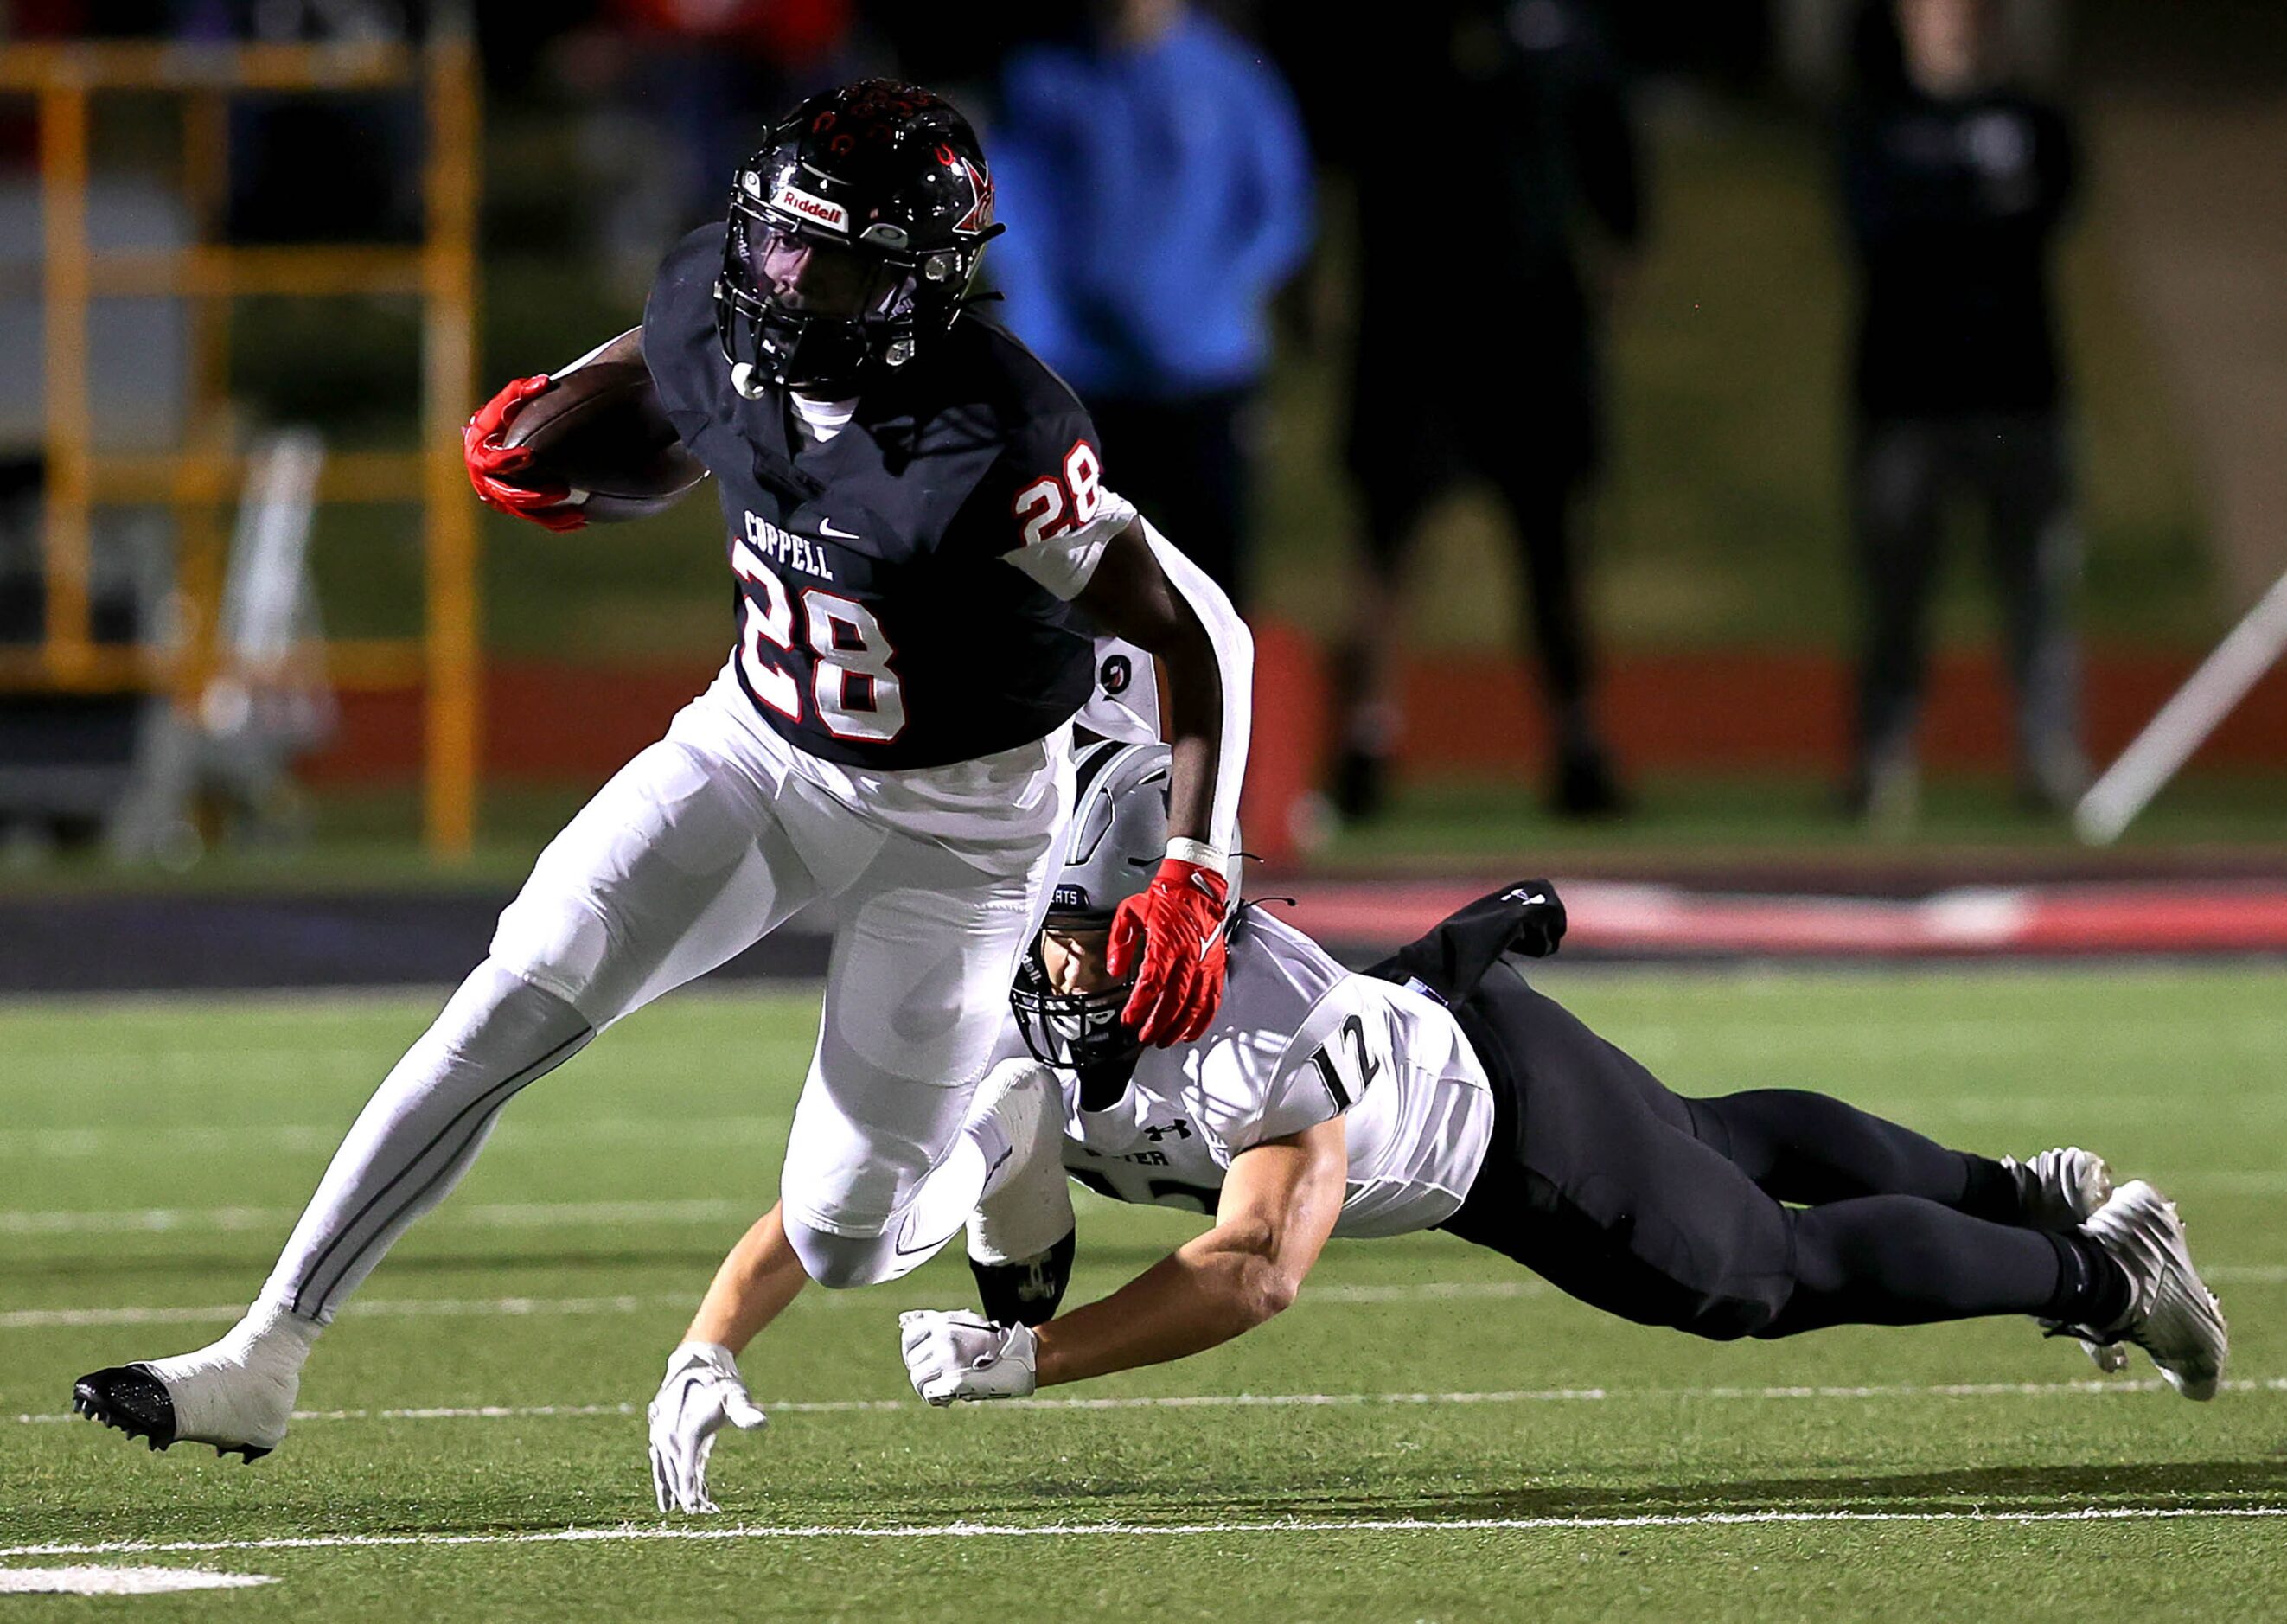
x,y
1178,1128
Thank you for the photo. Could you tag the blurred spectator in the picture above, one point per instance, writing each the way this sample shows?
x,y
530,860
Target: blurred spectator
x,y
1955,181
1156,186
1497,195
685,90
320,167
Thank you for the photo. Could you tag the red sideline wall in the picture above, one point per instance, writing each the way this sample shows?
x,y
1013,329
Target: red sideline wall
x,y
1716,709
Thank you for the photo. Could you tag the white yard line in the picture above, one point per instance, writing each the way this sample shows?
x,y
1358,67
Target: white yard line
x,y
630,1533
39,1144
449,1308
108,1580
510,1214
1251,1401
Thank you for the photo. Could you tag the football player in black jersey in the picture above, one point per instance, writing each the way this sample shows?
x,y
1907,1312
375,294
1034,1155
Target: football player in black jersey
x,y
925,549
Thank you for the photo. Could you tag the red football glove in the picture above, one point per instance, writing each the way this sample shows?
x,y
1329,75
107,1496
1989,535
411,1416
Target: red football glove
x,y
1175,931
490,463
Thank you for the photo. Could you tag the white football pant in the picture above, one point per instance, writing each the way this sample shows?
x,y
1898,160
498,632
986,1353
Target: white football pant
x,y
936,880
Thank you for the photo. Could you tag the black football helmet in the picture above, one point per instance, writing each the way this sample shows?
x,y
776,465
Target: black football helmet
x,y
854,238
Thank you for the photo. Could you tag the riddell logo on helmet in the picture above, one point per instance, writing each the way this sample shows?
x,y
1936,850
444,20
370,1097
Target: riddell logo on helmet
x,y
794,200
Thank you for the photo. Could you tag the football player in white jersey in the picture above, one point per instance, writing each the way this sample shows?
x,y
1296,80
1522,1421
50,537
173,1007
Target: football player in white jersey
x,y
1437,1090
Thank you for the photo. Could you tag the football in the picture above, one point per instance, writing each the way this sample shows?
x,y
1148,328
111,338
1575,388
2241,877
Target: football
x,y
600,430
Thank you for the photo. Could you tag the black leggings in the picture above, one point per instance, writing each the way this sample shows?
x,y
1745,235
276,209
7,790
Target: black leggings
x,y
1762,1214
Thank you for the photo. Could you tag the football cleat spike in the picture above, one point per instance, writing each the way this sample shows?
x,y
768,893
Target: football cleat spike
x,y
236,1394
130,1398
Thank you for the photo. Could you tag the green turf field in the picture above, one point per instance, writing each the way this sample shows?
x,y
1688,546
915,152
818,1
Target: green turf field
x,y
1523,1455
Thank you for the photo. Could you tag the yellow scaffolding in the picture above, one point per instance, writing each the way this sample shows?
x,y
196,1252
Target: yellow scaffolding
x,y
203,479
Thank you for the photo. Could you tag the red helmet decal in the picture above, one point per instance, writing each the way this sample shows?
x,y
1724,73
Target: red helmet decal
x,y
980,209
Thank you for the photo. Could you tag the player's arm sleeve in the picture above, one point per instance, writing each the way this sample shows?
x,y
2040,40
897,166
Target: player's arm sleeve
x,y
1046,499
1234,652
626,346
1142,588
1123,704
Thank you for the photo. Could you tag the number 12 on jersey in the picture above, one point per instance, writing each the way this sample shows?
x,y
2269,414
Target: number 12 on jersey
x,y
852,690
1345,1063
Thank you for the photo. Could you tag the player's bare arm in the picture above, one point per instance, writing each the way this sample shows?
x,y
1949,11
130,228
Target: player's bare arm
x,y
756,1281
1147,592
1279,1203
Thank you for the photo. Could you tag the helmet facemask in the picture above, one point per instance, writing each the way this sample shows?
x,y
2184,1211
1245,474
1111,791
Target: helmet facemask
x,y
853,239
800,308
1071,1031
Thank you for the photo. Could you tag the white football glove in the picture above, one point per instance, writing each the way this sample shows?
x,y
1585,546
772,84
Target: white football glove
x,y
960,1355
703,1394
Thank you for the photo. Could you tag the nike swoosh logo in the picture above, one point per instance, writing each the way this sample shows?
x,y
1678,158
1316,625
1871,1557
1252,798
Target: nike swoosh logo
x,y
825,528
1214,936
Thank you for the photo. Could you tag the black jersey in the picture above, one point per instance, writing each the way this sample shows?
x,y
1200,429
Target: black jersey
x,y
879,623
1955,207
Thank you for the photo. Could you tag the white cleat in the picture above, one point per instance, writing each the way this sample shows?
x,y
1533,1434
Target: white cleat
x,y
2172,1314
236,1394
1028,1208
2063,1189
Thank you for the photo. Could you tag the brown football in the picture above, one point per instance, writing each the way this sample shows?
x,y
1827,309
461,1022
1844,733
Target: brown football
x,y
599,430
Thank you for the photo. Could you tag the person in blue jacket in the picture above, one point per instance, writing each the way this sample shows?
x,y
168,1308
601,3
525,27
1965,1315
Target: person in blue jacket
x,y
1155,179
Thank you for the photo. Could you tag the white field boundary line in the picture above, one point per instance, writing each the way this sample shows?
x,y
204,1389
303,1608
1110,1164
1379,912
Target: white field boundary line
x,y
629,1532
453,1308
1249,1401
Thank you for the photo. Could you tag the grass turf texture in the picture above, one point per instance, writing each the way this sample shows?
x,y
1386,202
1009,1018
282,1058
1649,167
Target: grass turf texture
x,y
667,1133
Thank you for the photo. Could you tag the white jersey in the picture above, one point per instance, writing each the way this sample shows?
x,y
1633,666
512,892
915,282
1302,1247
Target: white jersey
x,y
1298,1040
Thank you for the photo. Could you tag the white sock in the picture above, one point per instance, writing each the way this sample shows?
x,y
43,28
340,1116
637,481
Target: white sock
x,y
241,1388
